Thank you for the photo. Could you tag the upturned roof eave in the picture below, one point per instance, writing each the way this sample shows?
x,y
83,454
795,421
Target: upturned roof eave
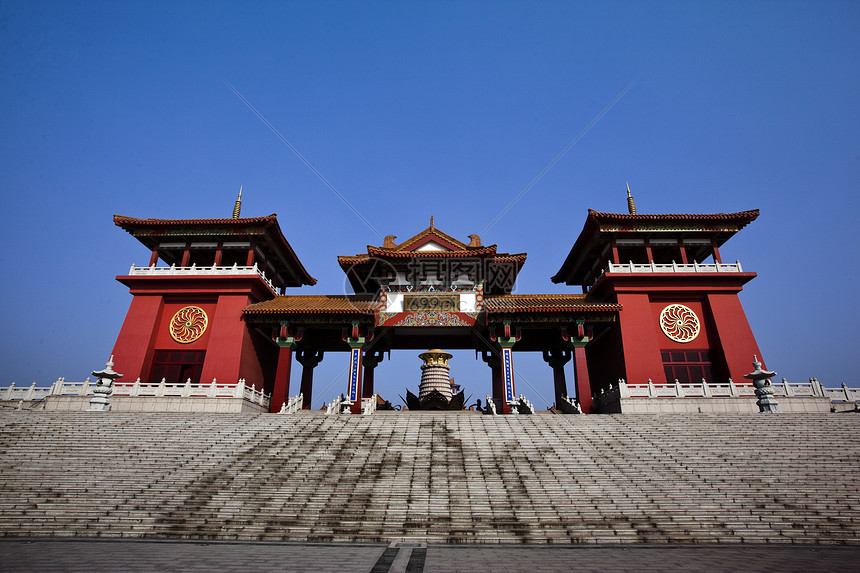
x,y
269,225
592,231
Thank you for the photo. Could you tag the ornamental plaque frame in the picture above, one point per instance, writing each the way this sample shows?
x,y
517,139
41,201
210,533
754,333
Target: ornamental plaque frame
x,y
431,302
680,323
188,324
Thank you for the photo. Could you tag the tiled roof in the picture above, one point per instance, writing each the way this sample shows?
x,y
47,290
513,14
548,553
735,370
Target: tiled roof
x,y
432,230
545,302
373,252
599,228
310,304
123,221
742,216
151,231
349,304
489,250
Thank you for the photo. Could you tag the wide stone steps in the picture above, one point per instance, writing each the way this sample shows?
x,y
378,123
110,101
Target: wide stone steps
x,y
455,477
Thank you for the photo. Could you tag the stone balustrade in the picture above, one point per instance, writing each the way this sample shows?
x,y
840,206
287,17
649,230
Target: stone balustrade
x,y
706,389
491,406
674,267
699,394
30,392
292,405
173,270
336,405
568,406
525,406
142,390
368,405
702,389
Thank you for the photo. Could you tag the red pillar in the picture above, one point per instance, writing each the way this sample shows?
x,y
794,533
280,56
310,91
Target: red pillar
x,y
583,383
497,390
355,377
557,358
717,258
367,384
309,360
506,367
371,361
281,390
219,252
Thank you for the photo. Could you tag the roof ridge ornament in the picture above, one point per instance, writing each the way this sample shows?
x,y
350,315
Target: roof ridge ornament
x,y
631,206
432,228
237,207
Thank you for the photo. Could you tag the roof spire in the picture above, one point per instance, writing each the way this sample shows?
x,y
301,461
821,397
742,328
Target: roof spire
x,y
431,222
631,206
238,206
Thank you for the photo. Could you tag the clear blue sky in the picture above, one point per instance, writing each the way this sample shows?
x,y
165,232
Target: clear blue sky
x,y
412,109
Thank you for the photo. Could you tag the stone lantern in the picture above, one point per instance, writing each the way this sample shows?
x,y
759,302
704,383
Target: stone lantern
x,y
764,390
104,388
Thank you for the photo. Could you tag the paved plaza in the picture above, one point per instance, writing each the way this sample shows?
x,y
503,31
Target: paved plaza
x,y
78,554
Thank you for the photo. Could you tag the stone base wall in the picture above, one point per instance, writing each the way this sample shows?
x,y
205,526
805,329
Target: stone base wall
x,y
155,404
794,405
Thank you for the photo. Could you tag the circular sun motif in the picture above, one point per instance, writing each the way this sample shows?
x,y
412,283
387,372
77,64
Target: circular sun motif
x,y
188,324
679,323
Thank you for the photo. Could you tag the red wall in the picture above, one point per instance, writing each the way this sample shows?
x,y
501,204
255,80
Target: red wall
x,y
163,340
132,352
702,340
230,348
733,329
639,339
724,329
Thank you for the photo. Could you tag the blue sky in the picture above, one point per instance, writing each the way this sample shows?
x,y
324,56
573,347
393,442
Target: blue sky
x,y
426,108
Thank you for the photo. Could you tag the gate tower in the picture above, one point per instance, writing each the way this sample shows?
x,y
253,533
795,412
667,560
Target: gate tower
x,y
680,316
185,320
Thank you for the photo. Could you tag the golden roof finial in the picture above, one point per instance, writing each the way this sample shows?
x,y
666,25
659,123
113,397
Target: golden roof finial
x,y
431,222
631,206
237,208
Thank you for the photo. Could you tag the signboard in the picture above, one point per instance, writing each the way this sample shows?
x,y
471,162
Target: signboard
x,y
424,302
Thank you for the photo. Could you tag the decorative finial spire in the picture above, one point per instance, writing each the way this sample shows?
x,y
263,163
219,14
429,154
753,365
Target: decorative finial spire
x,y
431,222
237,208
631,206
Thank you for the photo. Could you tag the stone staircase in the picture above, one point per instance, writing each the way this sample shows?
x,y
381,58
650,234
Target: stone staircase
x,y
433,477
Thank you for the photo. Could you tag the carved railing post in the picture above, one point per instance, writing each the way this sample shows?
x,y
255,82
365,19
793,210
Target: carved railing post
x,y
623,390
